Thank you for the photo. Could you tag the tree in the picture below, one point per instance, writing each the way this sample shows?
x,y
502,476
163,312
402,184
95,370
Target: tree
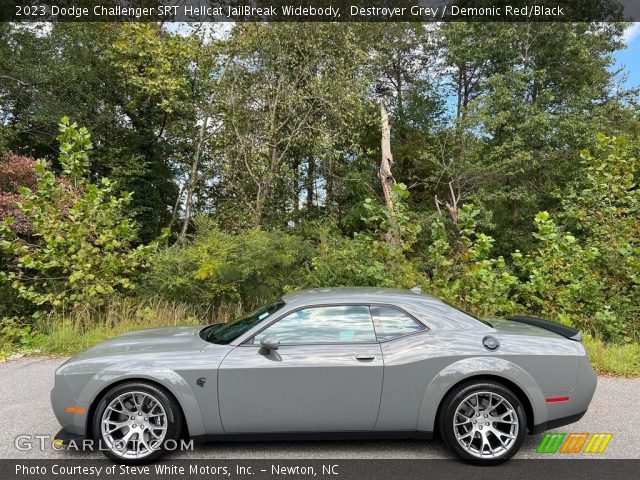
x,y
386,177
153,68
125,83
547,91
287,88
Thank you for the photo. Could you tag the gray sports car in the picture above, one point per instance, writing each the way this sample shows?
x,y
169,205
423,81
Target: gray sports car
x,y
343,362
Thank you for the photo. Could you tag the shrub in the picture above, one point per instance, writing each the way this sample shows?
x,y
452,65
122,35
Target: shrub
x,y
462,270
587,273
80,247
16,172
359,261
559,282
215,268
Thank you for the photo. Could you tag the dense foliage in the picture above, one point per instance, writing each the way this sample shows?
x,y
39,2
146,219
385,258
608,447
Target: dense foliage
x,y
78,249
259,150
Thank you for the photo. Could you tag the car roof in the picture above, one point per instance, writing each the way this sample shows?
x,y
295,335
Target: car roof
x,y
353,294
432,311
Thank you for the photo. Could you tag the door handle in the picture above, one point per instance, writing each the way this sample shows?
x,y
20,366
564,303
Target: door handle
x,y
364,356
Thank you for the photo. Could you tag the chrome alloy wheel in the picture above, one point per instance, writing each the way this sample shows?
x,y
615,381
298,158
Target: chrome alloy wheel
x,y
134,425
485,425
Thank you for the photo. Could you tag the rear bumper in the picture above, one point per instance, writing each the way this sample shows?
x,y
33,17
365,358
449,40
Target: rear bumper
x,y
564,413
557,422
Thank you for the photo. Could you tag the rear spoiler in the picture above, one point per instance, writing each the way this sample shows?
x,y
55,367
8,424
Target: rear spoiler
x,y
554,327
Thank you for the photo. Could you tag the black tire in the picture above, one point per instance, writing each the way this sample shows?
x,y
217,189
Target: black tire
x,y
174,420
456,397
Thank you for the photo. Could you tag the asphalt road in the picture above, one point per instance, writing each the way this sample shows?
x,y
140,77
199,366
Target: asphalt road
x,y
24,392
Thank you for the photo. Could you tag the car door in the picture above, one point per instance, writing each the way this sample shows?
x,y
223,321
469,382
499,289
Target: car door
x,y
410,364
326,375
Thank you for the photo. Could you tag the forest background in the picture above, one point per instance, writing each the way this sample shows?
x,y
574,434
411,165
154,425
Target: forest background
x,y
162,174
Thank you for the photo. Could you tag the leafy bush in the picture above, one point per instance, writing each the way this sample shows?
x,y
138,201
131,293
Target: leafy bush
x,y
80,247
215,267
462,270
591,278
253,266
558,278
584,273
363,260
16,172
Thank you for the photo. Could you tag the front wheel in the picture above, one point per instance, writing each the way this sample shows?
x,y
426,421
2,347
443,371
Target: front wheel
x,y
483,422
134,420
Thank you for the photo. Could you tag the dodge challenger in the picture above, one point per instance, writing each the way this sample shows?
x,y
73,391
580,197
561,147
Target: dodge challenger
x,y
329,363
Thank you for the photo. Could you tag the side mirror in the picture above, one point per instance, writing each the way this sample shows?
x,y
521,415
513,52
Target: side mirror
x,y
270,342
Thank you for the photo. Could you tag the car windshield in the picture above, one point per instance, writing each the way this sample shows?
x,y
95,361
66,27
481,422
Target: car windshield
x,y
229,332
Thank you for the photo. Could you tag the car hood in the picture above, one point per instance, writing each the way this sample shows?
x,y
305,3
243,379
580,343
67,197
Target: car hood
x,y
147,341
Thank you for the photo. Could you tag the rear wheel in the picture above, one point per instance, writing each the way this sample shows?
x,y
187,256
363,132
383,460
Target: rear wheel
x,y
483,422
134,421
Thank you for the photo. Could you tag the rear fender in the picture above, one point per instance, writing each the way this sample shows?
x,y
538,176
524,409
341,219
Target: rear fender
x,y
476,367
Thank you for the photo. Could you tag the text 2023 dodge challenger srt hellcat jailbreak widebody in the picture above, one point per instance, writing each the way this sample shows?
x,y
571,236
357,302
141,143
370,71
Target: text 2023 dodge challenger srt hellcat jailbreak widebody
x,y
344,362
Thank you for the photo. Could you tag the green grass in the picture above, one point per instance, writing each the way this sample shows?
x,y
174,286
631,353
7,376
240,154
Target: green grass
x,y
81,328
622,360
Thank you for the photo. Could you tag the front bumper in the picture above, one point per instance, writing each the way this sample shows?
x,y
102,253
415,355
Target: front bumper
x,y
66,438
61,398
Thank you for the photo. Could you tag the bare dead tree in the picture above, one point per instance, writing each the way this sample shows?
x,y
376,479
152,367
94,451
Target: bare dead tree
x,y
386,177
450,203
189,188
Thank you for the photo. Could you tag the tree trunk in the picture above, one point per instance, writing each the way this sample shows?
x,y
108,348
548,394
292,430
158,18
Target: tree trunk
x,y
311,172
174,214
297,183
264,188
451,203
191,181
386,177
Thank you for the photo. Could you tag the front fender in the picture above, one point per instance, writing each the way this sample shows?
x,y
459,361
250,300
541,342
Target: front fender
x,y
160,374
474,367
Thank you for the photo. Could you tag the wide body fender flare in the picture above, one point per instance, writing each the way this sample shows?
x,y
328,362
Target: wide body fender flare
x,y
161,375
476,367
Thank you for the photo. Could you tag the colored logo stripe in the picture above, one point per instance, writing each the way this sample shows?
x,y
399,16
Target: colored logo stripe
x,y
551,442
598,442
574,443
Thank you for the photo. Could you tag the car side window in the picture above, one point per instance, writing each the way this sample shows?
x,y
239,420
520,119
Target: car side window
x,y
391,323
338,324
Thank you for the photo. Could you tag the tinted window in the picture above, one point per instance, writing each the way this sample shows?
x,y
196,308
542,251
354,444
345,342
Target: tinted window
x,y
323,325
391,323
229,332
